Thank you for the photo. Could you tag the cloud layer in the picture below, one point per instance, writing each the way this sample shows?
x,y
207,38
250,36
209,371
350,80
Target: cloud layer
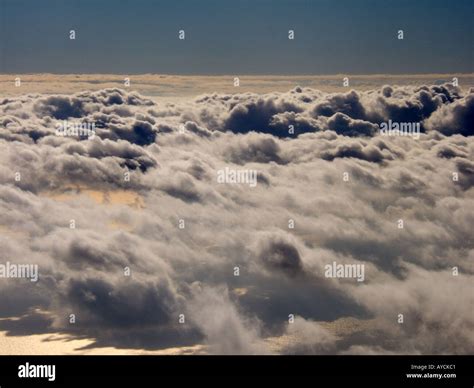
x,y
235,268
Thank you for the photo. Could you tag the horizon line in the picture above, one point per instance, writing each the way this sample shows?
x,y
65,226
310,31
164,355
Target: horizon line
x,y
247,74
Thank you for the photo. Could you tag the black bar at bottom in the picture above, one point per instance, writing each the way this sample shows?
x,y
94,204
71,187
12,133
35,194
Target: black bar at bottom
x,y
423,370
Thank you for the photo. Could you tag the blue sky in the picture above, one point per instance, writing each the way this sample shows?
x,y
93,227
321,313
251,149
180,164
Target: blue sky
x,y
237,37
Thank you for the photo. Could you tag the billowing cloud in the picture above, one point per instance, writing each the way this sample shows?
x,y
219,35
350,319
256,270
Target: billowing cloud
x,y
457,117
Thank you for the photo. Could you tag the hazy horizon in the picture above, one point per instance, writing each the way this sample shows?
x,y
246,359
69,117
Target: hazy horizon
x,y
168,85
